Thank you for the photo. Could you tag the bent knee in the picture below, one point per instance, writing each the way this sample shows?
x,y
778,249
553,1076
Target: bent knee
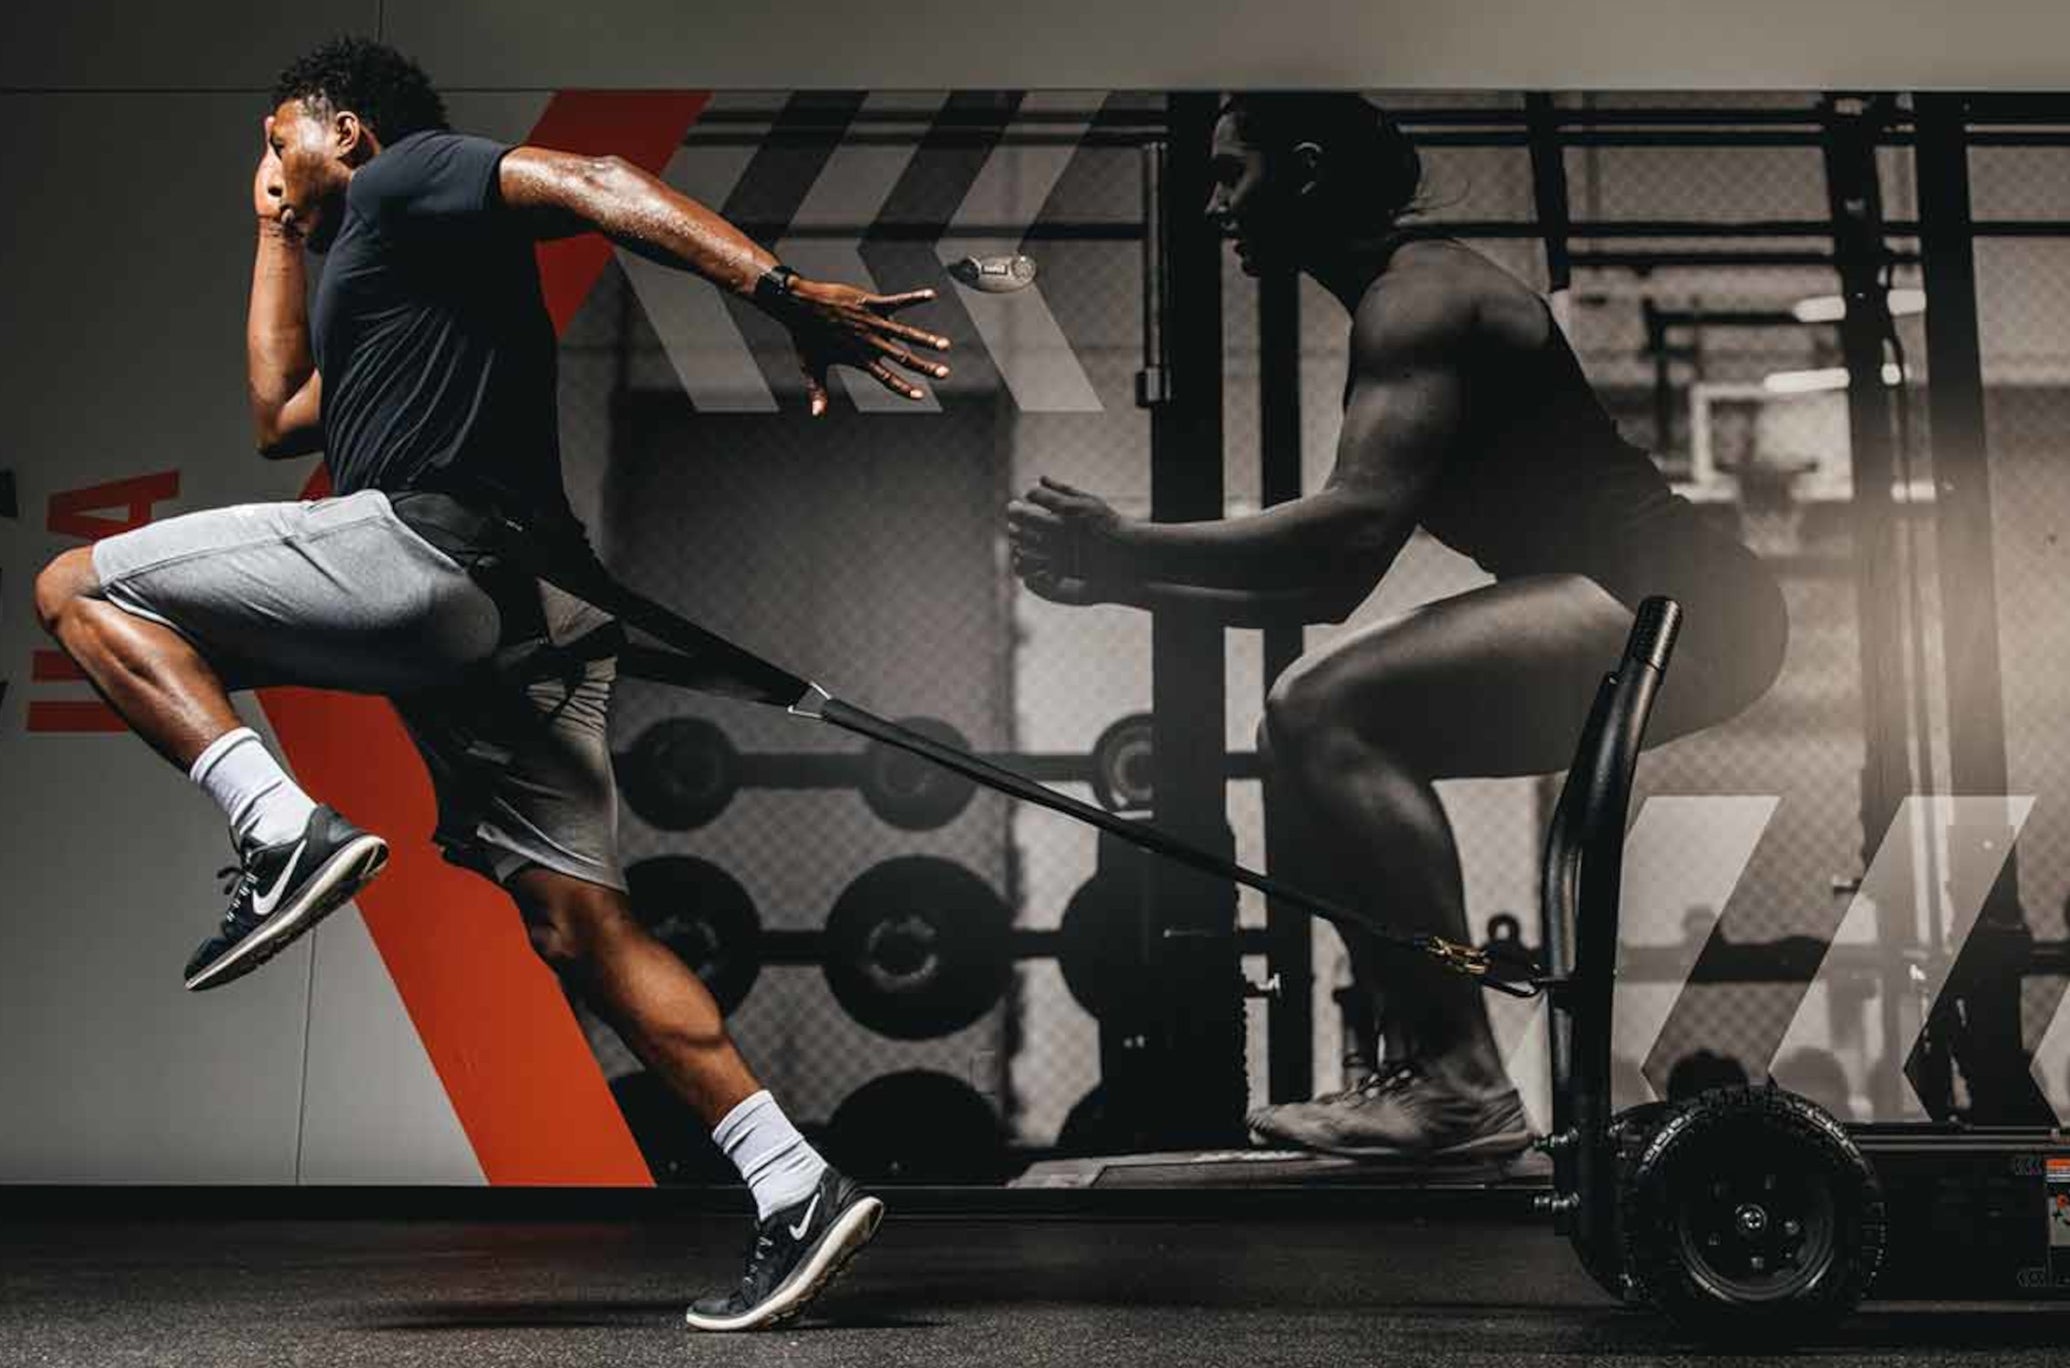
x,y
1304,707
564,942
567,929
61,584
1338,714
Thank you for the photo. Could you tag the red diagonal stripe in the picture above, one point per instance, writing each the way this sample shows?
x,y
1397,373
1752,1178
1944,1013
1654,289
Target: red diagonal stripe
x,y
645,128
521,1077
49,667
87,715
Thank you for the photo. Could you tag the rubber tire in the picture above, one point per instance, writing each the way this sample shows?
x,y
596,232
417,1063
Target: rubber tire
x,y
1693,1140
1629,1132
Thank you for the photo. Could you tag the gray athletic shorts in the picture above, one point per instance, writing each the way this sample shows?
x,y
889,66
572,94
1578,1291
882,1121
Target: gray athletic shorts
x,y
340,594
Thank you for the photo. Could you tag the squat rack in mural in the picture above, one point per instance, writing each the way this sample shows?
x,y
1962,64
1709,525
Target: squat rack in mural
x,y
1181,387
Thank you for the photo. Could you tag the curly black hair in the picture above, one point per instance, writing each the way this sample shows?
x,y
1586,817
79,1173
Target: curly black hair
x,y
389,92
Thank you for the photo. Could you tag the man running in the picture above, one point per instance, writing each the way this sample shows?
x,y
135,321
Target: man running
x,y
1465,412
425,371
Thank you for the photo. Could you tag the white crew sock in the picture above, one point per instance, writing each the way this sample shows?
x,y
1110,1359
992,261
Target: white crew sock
x,y
779,1167
264,806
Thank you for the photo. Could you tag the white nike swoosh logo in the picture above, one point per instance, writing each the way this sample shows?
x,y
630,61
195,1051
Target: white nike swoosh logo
x,y
264,903
798,1230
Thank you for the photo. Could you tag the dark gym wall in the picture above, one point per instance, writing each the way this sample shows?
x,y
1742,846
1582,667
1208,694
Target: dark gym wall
x,y
226,45
119,354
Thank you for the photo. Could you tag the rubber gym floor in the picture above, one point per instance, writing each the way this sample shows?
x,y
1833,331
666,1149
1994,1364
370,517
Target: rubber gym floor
x,y
1220,1279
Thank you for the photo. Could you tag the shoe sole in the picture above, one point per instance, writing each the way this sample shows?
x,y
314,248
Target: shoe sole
x,y
1501,1145
840,1244
351,868
1496,1145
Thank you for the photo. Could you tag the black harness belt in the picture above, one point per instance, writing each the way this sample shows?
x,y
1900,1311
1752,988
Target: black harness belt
x,y
695,658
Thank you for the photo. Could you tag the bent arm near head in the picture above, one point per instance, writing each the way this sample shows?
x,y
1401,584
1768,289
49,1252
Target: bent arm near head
x,y
280,369
566,192
295,428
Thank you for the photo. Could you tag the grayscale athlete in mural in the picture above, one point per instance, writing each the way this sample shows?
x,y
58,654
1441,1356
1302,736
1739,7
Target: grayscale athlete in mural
x,y
424,369
1465,413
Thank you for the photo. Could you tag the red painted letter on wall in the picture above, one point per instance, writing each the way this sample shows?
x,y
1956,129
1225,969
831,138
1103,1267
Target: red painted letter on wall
x,y
86,512
97,511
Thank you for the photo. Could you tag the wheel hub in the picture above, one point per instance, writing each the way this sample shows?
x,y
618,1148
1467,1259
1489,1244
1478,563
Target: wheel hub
x,y
1748,1229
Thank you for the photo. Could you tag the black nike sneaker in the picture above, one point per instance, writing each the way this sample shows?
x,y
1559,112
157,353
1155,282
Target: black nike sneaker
x,y
277,892
797,1252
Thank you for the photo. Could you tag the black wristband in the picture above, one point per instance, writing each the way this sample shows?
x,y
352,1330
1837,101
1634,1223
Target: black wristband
x,y
774,287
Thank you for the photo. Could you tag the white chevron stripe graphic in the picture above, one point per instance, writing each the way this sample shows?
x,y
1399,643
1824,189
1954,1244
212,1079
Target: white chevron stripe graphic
x,y
1927,883
2051,1063
1025,341
1682,860
704,345
1519,1026
851,189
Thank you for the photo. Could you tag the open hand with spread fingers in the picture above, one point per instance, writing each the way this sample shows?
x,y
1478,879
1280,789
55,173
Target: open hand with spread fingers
x,y
834,324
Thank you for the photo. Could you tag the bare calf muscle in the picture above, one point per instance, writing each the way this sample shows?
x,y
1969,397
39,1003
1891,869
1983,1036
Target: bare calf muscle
x,y
587,935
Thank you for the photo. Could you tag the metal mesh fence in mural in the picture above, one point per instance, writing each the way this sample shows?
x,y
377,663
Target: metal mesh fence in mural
x,y
867,550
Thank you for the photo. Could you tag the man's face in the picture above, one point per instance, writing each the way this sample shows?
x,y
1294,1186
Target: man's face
x,y
315,150
1251,202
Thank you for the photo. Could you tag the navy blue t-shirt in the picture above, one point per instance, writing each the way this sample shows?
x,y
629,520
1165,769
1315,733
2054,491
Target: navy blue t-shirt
x,y
432,336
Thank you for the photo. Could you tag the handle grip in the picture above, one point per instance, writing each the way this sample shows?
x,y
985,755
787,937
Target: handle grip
x,y
1657,624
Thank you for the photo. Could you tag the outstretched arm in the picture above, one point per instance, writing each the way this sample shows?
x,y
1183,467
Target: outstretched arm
x,y
281,382
1325,550
563,193
1222,607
